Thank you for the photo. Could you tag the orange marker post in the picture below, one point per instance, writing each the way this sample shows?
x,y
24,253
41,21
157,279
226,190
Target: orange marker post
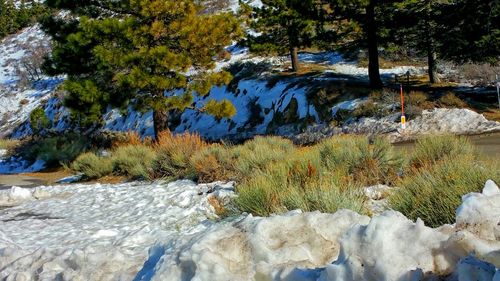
x,y
403,117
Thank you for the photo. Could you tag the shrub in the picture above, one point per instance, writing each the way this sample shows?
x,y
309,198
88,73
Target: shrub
x,y
297,183
479,74
124,139
39,120
135,161
418,98
55,150
367,162
429,150
8,144
92,166
434,193
213,163
256,154
173,154
366,109
451,100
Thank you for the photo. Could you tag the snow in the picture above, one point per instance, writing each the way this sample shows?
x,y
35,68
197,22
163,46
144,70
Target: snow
x,y
437,121
479,213
17,165
98,232
162,231
16,102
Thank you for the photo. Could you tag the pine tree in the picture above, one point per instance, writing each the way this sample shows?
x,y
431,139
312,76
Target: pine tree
x,y
152,54
361,16
282,28
418,25
473,31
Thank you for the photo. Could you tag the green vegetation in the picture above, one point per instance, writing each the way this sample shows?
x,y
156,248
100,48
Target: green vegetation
x,y
283,28
430,150
275,176
39,120
433,193
441,170
135,161
15,17
92,166
138,52
54,150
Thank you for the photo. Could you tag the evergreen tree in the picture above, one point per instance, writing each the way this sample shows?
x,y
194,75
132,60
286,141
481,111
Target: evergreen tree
x,y
473,31
417,25
152,54
282,28
13,18
362,18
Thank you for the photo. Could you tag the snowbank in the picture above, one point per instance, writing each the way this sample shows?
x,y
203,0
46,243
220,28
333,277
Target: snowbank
x,y
437,121
98,232
293,246
105,232
17,165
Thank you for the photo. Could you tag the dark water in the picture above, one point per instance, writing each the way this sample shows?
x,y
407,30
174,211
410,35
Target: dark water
x,y
487,144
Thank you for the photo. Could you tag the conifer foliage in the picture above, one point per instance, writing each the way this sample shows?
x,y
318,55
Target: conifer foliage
x,y
14,17
282,28
152,54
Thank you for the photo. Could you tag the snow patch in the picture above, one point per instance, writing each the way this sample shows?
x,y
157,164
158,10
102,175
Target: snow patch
x,y
99,232
106,232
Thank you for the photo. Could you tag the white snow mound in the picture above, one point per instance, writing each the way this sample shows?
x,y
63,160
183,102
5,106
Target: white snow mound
x,y
105,232
98,232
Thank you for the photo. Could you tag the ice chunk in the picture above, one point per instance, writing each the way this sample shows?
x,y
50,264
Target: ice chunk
x,y
20,194
490,188
480,213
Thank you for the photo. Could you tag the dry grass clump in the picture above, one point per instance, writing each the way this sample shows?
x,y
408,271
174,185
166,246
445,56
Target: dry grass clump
x,y
257,153
451,100
92,166
135,161
276,176
213,163
298,182
429,150
129,138
433,193
8,144
441,170
174,153
367,162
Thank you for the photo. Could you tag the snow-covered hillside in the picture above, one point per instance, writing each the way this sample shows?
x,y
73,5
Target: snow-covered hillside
x,y
140,231
16,101
248,94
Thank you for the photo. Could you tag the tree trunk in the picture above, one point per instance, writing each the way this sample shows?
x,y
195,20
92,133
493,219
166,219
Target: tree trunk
x,y
160,122
371,33
431,62
294,55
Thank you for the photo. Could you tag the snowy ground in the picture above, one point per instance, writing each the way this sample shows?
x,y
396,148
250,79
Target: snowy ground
x,y
140,231
17,102
431,122
97,232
